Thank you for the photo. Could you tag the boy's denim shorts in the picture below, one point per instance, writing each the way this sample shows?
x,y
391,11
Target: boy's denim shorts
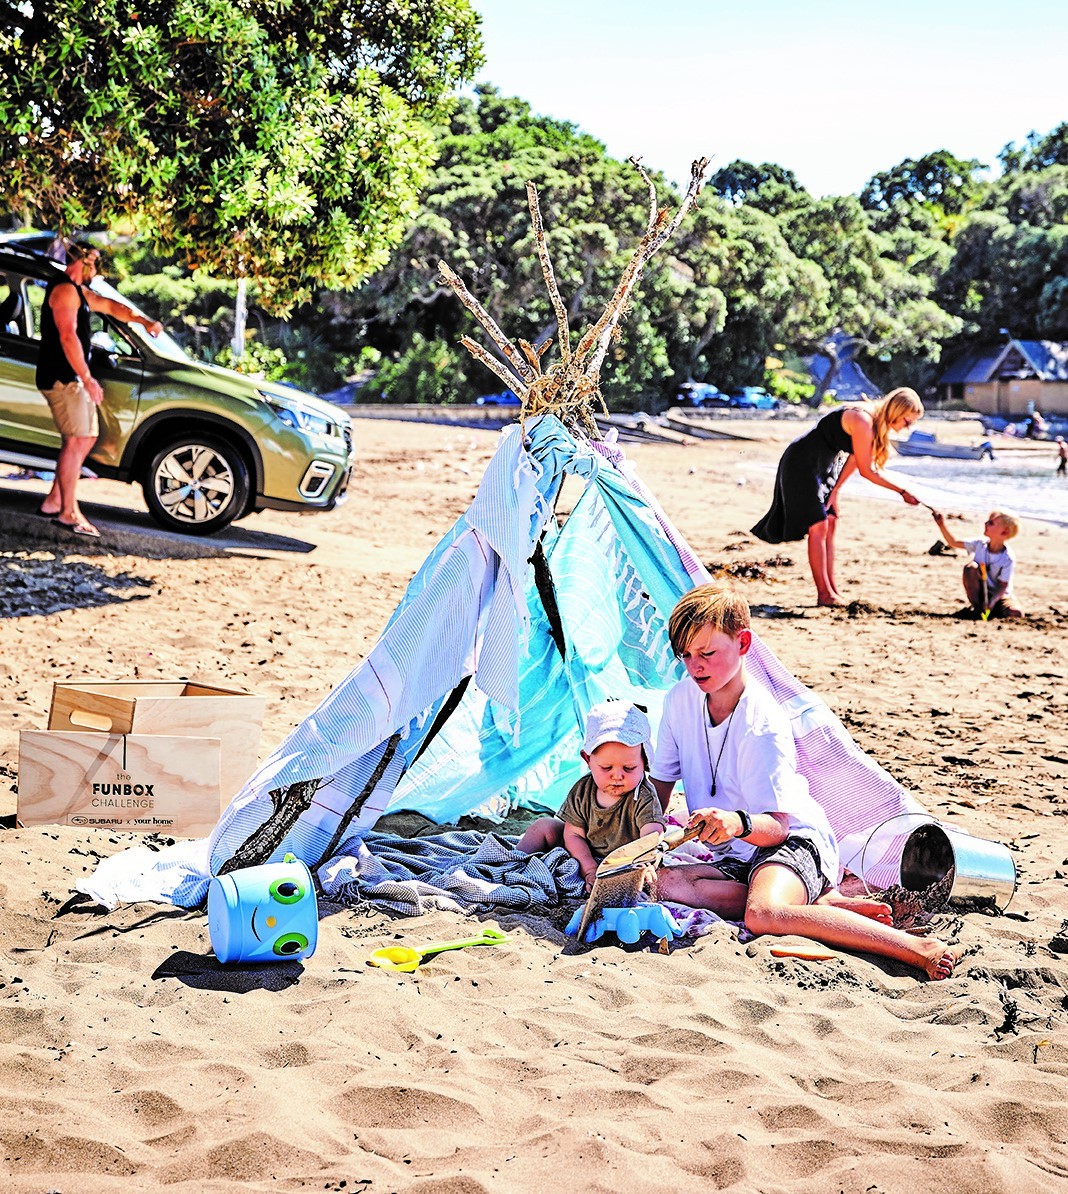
x,y
797,854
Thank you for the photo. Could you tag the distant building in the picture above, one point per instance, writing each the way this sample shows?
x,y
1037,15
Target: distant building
x,y
1011,379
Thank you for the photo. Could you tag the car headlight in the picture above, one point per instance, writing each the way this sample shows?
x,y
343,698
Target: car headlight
x,y
302,419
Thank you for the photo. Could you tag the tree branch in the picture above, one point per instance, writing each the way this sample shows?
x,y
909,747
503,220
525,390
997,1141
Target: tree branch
x,y
563,331
507,348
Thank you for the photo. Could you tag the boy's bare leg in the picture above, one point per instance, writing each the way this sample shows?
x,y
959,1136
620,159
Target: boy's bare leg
x,y
701,885
546,833
972,586
778,905
862,905
1002,609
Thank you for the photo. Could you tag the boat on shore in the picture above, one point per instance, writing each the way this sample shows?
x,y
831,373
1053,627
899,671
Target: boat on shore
x,y
1048,428
924,443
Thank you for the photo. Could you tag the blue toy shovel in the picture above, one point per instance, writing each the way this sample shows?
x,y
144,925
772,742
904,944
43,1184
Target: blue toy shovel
x,y
407,959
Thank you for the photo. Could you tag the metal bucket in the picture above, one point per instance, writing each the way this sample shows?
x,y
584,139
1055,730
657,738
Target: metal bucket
x,y
984,873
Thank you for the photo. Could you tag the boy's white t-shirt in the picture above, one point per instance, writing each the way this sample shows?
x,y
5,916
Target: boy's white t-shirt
x,y
999,564
756,772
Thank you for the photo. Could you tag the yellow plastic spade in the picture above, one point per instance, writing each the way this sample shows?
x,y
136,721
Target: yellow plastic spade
x,y
403,957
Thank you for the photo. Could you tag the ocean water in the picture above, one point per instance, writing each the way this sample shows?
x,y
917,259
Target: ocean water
x,y
1026,487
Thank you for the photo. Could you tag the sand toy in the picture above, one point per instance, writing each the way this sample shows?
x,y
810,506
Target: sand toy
x,y
407,959
264,913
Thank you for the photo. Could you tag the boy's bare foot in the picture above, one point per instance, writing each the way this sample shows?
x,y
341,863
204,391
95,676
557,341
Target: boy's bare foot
x,y
939,959
862,905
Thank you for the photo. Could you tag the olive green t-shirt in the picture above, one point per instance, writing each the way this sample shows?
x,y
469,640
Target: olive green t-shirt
x,y
608,828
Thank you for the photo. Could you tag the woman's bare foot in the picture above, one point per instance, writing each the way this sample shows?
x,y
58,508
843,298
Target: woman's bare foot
x,y
81,527
940,959
828,601
862,905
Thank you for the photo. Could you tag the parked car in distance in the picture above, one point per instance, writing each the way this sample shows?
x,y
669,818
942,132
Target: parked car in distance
x,y
701,394
206,445
753,398
504,398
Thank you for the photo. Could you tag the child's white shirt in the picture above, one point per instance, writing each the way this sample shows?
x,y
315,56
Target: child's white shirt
x,y
755,763
999,564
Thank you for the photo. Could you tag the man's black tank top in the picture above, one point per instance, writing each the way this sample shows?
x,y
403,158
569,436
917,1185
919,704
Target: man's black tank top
x,y
53,368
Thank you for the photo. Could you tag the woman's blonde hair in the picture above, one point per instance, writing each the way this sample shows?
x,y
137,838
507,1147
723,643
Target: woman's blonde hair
x,y
901,401
718,605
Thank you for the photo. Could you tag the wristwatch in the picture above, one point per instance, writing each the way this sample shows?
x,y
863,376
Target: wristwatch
x,y
747,823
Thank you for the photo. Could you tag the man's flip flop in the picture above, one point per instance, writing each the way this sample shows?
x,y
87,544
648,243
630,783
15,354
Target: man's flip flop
x,y
78,528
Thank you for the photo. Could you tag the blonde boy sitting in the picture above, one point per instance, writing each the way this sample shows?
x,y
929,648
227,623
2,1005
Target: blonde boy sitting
x,y
992,560
731,745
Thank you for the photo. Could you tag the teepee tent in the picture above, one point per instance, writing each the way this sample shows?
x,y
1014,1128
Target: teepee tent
x,y
475,695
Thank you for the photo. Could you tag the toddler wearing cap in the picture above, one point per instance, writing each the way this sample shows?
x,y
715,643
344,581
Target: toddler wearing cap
x,y
614,803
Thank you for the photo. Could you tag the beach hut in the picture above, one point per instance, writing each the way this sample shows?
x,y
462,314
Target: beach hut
x,y
1011,379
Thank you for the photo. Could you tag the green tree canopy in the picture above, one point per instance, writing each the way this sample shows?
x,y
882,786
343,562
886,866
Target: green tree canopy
x,y
884,307
270,138
475,218
768,187
936,178
1037,152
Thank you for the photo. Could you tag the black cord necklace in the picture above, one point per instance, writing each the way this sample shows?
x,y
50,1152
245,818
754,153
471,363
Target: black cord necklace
x,y
714,768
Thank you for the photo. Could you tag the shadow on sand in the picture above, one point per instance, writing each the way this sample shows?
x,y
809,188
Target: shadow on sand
x,y
43,567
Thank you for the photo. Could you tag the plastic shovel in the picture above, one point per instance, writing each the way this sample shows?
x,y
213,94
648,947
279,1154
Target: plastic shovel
x,y
985,615
404,957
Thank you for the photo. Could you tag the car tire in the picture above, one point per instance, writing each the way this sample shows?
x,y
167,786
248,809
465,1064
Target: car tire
x,y
196,484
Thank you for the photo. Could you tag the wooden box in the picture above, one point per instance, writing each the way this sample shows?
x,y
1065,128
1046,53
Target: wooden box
x,y
177,708
148,783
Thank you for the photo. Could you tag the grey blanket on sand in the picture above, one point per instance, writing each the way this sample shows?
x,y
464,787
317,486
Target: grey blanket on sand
x,y
460,871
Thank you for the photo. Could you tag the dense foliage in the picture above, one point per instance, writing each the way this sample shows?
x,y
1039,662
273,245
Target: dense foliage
x,y
271,139
929,257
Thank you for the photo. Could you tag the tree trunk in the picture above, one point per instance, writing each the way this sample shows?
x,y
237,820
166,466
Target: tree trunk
x,y
240,319
829,351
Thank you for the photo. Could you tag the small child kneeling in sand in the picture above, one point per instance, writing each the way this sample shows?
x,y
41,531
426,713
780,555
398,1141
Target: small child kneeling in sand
x,y
612,805
731,745
988,578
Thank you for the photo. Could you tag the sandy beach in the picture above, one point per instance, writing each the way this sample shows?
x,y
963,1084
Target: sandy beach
x,y
131,1061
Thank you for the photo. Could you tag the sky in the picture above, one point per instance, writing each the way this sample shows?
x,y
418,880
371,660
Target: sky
x,y
835,91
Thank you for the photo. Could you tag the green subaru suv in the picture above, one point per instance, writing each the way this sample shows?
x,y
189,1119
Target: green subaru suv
x,y
205,444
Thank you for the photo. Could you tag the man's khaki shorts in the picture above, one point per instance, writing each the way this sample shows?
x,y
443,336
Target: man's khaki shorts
x,y
73,411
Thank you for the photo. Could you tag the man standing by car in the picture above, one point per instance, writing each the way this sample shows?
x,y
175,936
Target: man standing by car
x,y
63,377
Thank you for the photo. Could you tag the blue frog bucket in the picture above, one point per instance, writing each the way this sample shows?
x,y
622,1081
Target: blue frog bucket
x,y
264,913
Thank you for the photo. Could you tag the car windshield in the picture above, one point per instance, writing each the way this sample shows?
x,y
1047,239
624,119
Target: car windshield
x,y
163,345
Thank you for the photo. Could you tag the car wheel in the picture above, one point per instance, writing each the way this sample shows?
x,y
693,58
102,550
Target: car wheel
x,y
196,484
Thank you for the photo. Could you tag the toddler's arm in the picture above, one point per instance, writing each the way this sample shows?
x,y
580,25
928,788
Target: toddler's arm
x,y
576,845
941,522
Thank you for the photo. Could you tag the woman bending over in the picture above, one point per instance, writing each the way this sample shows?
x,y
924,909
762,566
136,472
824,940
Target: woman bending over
x,y
814,467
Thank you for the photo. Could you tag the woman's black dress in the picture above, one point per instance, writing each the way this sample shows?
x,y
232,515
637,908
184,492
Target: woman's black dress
x,y
807,472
